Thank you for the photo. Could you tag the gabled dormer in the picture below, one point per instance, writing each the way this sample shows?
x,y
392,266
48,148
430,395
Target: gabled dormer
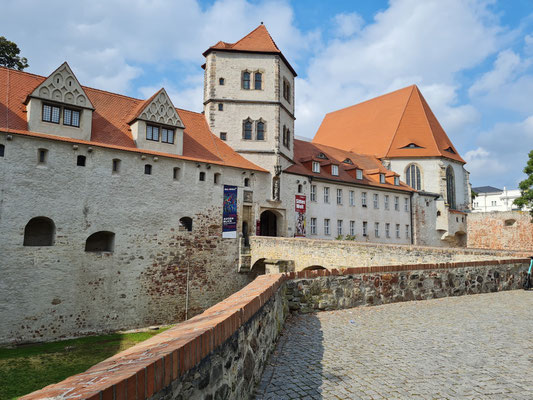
x,y
157,126
59,106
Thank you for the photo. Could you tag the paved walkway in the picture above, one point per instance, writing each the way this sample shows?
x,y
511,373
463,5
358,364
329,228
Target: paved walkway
x,y
469,347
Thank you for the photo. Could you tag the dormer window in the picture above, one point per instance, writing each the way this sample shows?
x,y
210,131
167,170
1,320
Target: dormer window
x,y
359,173
322,156
381,178
71,117
152,133
51,113
396,181
348,161
167,135
450,150
335,170
411,146
316,167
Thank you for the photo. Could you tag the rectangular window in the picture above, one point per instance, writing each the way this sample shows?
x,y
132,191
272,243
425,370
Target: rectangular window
x,y
202,176
223,135
365,228
176,173
258,81
376,201
387,230
339,227
316,167
220,107
167,135
2,150
396,181
359,173
260,131
313,192
407,233
246,80
406,204
313,226
352,198
363,199
339,196
396,203
71,117
152,133
398,231
42,155
381,178
352,228
326,226
493,203
51,113
386,202
326,195
376,229
247,134
335,170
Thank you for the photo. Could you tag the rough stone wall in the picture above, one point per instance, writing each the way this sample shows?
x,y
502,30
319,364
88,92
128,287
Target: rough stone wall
x,y
62,291
342,254
509,230
373,288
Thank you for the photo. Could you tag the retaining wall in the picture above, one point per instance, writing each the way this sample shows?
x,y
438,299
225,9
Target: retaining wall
x,y
329,290
218,354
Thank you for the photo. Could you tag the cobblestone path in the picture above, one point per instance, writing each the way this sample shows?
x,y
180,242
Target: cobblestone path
x,y
469,347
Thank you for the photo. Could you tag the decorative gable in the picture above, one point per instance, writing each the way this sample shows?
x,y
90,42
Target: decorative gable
x,y
159,109
63,87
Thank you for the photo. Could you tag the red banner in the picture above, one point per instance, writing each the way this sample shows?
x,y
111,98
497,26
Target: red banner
x,y
299,204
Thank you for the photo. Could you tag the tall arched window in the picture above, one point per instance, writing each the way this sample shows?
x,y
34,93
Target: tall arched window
x,y
247,130
450,187
412,177
260,130
288,144
39,231
246,80
258,81
100,242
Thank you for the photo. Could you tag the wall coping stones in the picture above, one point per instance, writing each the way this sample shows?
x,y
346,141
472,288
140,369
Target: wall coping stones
x,y
142,370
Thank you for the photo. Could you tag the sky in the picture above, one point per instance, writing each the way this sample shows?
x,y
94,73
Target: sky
x,y
472,59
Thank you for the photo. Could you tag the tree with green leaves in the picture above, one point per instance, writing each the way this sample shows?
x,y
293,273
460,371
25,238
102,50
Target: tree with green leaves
x,y
526,187
9,55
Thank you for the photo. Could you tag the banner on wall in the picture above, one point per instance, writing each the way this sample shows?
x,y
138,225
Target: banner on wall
x,y
229,212
299,207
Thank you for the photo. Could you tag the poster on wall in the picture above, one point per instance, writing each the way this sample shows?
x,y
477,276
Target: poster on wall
x,y
299,207
229,212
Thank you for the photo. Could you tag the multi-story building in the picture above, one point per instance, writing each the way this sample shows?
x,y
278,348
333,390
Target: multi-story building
x,y
111,207
489,198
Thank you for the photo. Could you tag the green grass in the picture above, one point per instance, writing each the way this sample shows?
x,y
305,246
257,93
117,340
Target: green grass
x,y
28,368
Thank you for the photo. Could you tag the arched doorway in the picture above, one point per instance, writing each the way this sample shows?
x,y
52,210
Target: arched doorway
x,y
268,224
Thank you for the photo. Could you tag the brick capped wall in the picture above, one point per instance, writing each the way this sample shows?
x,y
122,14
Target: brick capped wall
x,y
509,230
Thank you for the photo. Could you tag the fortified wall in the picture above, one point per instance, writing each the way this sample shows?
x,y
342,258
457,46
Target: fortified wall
x,y
506,230
221,353
298,254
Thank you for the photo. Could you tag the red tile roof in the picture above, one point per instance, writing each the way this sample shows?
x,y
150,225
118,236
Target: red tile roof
x,y
257,41
386,125
304,152
110,126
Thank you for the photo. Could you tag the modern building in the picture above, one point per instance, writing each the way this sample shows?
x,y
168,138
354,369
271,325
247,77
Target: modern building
x,y
489,198
114,210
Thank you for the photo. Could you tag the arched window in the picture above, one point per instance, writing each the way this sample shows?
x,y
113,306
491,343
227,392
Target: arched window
x,y
450,187
412,177
300,188
247,130
2,150
260,135
284,135
246,80
246,182
288,144
148,169
186,224
80,161
100,242
39,231
258,81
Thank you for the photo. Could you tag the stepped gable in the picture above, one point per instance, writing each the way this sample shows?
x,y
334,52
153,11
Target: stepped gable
x,y
371,166
257,41
399,124
110,125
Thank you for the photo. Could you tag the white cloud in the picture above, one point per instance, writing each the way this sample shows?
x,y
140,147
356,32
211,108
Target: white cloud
x,y
346,24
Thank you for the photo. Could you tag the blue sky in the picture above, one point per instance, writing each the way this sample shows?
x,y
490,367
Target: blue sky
x,y
472,59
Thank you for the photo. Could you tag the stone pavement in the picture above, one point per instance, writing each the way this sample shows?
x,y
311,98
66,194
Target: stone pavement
x,y
469,347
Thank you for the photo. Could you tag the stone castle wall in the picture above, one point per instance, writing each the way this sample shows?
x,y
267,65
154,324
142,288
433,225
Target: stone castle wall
x,y
507,230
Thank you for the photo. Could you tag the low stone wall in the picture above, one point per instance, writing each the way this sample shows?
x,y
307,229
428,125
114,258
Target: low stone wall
x,y
306,253
219,354
509,230
330,290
